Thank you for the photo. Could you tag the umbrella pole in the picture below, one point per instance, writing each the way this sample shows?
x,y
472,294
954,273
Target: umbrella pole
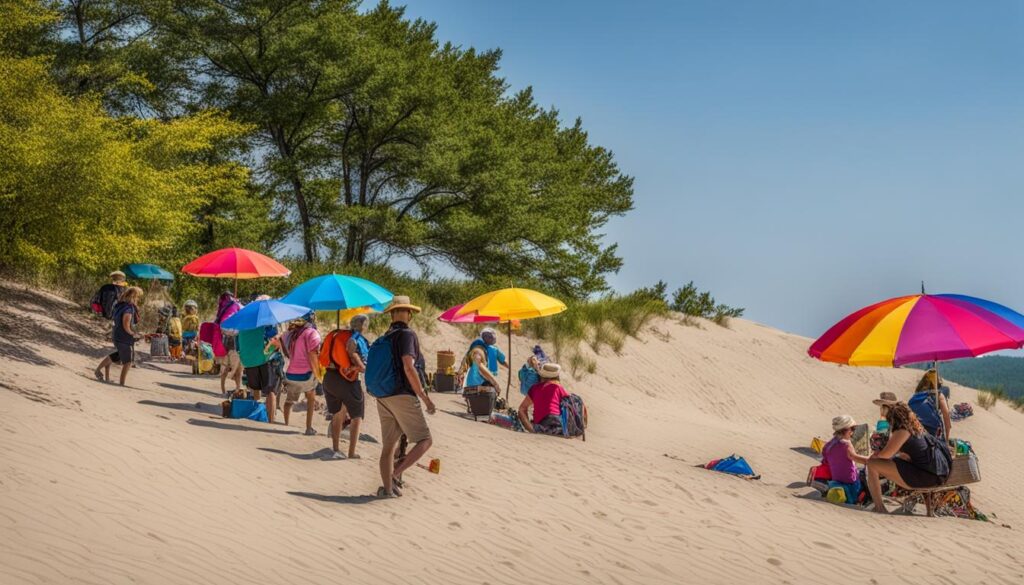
x,y
942,422
509,362
337,325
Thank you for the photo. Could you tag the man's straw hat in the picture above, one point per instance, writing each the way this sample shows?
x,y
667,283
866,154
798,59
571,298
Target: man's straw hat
x,y
401,302
886,399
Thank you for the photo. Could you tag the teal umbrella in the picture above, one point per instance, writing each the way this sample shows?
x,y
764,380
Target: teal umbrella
x,y
147,272
337,292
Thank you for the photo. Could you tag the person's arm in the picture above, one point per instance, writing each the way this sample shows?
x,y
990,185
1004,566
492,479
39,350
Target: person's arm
x,y
891,448
353,355
524,414
409,365
126,323
853,455
479,358
946,420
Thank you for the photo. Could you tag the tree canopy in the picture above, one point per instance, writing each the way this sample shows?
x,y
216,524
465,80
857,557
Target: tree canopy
x,y
189,124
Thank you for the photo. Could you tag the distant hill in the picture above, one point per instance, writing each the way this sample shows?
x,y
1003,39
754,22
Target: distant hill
x,y
989,372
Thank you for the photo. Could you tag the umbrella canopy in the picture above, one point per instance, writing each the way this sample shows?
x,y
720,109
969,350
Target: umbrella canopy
x,y
512,303
262,313
335,292
919,328
147,272
452,316
237,263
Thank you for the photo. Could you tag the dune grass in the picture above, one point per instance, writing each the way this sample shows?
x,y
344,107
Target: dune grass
x,y
988,397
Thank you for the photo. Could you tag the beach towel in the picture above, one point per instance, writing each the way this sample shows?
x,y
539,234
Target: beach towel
x,y
961,411
733,465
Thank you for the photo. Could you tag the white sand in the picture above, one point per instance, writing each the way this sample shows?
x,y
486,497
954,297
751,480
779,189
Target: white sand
x,y
100,484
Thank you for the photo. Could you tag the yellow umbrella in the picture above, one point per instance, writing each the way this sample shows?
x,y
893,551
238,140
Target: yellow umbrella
x,y
510,304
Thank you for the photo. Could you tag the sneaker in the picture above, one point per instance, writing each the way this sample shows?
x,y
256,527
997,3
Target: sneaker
x,y
338,455
310,432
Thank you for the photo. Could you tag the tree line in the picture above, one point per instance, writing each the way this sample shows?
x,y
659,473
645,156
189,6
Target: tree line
x,y
155,130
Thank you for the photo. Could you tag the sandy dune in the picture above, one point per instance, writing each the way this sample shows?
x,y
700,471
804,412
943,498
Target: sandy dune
x,y
100,484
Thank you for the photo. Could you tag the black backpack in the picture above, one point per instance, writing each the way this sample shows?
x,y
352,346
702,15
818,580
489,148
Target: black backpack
x,y
106,298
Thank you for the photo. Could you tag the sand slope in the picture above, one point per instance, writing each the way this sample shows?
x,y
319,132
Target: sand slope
x,y
100,484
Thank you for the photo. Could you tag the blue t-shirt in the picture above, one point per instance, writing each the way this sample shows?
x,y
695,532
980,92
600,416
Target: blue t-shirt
x,y
362,345
493,355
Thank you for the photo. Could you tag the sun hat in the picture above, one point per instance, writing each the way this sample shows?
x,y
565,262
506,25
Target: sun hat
x,y
401,302
117,274
549,370
488,331
191,303
843,422
886,399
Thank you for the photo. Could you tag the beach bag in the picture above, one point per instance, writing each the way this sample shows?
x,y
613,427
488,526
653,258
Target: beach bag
x,y
923,405
334,352
817,444
205,357
104,300
574,416
527,378
158,346
734,465
381,368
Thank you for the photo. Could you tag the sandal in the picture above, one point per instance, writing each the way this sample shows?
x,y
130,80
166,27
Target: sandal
x,y
99,376
383,493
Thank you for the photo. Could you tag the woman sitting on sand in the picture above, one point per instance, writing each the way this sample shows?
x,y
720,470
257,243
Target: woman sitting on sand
x,y
545,397
842,458
907,458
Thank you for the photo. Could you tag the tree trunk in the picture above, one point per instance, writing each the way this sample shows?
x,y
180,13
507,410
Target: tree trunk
x,y
285,151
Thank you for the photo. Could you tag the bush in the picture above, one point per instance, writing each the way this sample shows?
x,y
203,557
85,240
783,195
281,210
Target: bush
x,y
693,303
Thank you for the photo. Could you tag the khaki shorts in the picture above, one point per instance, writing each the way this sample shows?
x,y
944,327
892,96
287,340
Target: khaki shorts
x,y
295,389
402,415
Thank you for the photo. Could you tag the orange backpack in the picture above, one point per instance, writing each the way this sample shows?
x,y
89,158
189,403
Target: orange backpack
x,y
334,351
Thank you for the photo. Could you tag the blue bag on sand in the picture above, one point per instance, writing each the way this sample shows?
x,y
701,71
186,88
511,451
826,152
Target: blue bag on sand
x,y
241,408
381,370
734,465
259,414
527,378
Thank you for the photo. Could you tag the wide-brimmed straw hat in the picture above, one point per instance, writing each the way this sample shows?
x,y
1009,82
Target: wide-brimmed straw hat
x,y
401,302
117,274
886,399
843,422
549,370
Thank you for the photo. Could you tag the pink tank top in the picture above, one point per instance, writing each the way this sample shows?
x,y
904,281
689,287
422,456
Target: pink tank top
x,y
839,463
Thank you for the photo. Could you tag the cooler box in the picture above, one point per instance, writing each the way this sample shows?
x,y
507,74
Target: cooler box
x,y
444,382
480,402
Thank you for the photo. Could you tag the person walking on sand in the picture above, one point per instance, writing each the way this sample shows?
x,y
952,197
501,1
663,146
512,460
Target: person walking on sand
x,y
227,353
400,412
126,317
342,389
301,345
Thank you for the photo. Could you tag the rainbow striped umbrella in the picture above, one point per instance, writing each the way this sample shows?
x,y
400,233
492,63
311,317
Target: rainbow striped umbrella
x,y
920,328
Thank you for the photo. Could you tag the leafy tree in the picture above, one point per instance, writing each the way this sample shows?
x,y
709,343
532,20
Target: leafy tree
x,y
689,301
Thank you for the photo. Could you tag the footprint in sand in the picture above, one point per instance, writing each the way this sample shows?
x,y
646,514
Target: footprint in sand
x,y
774,562
454,525
824,545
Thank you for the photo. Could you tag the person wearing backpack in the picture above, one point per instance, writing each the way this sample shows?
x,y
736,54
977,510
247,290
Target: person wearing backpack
x,y
301,345
480,366
912,458
126,318
104,300
935,418
546,399
344,354
393,378
226,352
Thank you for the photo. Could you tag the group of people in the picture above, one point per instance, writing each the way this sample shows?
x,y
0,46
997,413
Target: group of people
x,y
918,431
296,360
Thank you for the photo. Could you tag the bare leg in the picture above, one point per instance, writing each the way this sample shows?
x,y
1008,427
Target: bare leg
x,y
271,406
104,365
124,372
256,395
417,451
353,437
877,469
223,378
238,378
287,411
310,404
387,463
336,421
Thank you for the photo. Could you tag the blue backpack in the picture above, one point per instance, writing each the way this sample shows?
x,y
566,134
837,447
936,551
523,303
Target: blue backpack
x,y
381,370
923,405
735,466
527,378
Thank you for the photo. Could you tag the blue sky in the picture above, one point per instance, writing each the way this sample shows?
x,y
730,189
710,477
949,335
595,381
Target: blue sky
x,y
799,159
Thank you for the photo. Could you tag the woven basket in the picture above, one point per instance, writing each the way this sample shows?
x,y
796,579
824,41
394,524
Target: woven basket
x,y
964,470
445,360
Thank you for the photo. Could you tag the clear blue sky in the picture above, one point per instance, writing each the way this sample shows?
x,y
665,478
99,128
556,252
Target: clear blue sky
x,y
799,159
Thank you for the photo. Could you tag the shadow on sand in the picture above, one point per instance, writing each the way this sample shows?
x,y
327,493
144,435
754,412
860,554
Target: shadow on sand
x,y
318,455
336,499
188,389
186,406
233,427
